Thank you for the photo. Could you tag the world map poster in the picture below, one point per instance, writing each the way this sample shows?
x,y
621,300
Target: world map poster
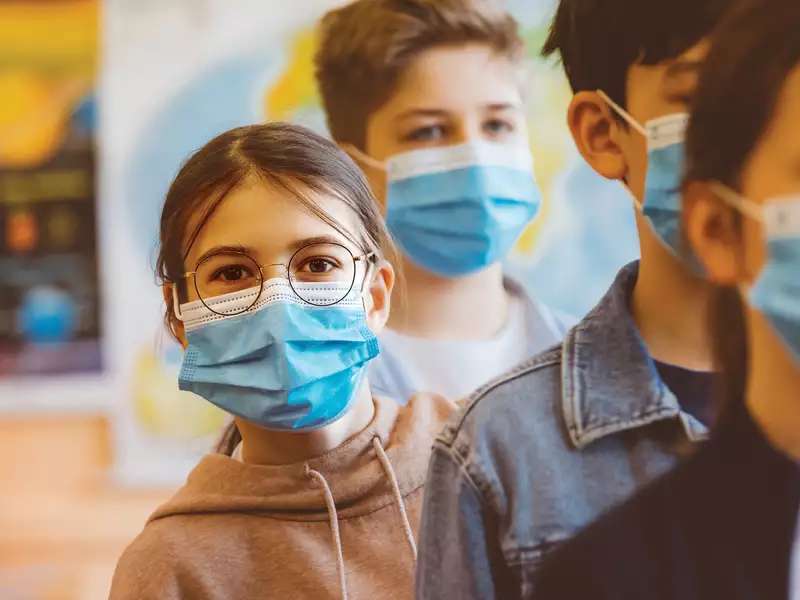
x,y
180,72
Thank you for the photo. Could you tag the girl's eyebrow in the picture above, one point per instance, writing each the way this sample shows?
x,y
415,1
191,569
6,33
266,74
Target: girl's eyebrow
x,y
238,249
253,253
319,239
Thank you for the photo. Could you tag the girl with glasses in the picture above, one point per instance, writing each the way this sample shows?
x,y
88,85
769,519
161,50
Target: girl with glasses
x,y
276,280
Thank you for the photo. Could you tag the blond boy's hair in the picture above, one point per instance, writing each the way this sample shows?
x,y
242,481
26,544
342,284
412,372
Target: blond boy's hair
x,y
366,46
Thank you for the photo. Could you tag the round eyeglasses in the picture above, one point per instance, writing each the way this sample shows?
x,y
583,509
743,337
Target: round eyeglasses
x,y
323,263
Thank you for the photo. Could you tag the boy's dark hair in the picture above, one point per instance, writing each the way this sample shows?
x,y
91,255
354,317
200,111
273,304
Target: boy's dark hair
x,y
599,40
366,46
754,51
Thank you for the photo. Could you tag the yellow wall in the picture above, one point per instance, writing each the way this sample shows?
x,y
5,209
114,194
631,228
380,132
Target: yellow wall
x,y
63,524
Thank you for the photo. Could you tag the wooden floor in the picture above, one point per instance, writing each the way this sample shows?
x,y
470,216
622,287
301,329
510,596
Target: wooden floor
x,y
63,524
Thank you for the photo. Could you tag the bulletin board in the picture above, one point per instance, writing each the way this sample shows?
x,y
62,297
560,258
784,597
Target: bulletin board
x,y
51,309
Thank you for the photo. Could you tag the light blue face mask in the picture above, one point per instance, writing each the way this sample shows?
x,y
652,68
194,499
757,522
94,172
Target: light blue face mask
x,y
665,162
776,291
284,364
455,210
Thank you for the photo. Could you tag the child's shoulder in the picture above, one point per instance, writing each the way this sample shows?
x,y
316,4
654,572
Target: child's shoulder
x,y
148,563
430,407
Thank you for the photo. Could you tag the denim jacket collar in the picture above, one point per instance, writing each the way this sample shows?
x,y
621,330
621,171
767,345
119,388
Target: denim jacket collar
x,y
610,383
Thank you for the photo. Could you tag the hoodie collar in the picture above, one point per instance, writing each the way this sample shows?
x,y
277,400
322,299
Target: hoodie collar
x,y
221,484
609,380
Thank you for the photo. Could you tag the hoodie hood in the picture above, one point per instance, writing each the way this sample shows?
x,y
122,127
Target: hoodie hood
x,y
332,528
221,484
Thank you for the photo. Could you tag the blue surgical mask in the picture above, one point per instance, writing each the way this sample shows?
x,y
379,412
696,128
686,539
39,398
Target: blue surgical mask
x,y
665,162
776,291
455,210
284,364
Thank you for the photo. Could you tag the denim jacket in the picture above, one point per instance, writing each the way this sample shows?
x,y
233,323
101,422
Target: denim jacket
x,y
539,453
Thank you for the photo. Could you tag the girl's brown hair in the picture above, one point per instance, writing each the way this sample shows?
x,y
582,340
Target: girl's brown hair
x,y
291,157
754,50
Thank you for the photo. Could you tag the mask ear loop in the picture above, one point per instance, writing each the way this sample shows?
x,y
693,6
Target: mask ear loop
x,y
737,201
369,259
743,205
627,117
633,198
360,156
176,310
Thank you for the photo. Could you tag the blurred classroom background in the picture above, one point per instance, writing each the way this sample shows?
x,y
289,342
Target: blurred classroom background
x,y
99,104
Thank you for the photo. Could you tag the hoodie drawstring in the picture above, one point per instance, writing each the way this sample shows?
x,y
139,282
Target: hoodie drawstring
x,y
398,497
334,522
333,515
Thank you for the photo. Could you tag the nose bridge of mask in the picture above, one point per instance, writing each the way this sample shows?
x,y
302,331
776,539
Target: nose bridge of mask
x,y
782,217
666,131
196,314
440,159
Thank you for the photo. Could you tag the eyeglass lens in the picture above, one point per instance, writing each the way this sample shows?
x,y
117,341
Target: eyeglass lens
x,y
231,272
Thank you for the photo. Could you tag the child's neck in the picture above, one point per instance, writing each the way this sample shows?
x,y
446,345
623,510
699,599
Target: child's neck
x,y
426,305
264,447
670,307
773,388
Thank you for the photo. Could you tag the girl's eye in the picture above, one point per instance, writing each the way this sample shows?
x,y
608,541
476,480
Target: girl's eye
x,y
232,273
431,133
319,265
498,128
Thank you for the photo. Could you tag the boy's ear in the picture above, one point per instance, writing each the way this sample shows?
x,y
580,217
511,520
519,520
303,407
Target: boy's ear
x,y
175,324
379,295
597,134
714,233
373,171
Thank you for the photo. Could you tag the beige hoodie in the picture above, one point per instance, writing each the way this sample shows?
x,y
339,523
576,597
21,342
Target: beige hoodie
x,y
242,531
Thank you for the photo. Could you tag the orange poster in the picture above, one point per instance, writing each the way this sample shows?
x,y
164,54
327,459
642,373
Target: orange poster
x,y
49,283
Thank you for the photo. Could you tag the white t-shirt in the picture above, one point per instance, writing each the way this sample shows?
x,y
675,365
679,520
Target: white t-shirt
x,y
453,369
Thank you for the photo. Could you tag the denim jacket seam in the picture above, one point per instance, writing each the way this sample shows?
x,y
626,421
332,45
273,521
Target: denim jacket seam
x,y
550,358
569,399
525,560
528,553
572,400
463,469
584,437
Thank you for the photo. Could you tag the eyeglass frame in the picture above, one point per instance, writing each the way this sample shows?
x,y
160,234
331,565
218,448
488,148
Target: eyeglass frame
x,y
371,257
